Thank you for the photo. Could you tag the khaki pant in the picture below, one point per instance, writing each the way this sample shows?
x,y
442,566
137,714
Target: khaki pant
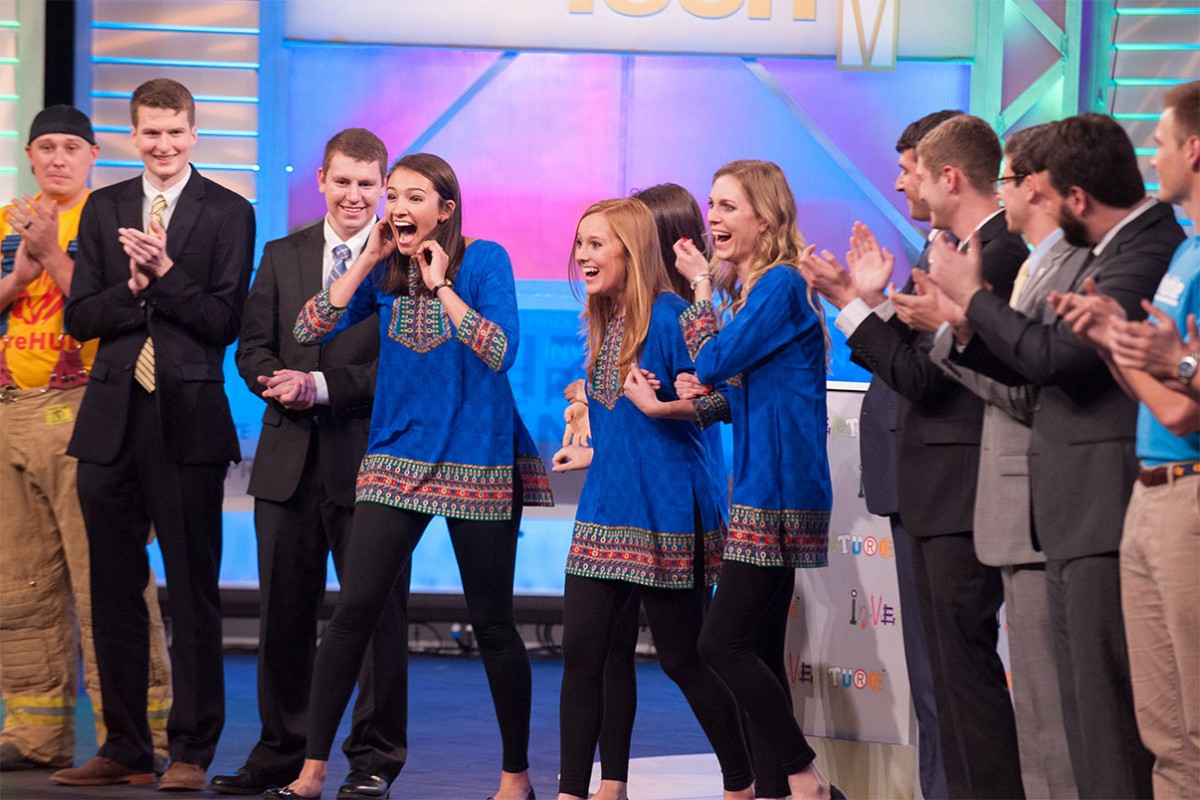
x,y
45,600
1160,600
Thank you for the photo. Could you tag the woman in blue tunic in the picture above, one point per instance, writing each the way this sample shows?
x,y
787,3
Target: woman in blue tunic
x,y
638,524
676,216
772,354
445,440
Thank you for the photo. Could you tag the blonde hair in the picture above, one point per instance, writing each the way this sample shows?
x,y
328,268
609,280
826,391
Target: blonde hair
x,y
771,199
646,277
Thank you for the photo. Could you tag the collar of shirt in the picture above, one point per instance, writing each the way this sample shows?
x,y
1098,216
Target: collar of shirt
x,y
1039,253
962,246
356,243
170,195
1137,211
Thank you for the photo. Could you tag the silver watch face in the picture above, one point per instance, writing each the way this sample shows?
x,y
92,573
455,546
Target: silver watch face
x,y
1187,368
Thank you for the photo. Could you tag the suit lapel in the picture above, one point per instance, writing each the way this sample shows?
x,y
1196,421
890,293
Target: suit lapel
x,y
1038,286
183,218
129,208
310,257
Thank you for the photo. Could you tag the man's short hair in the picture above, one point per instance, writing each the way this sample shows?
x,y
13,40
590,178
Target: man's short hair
x,y
966,143
359,144
1028,149
163,93
1093,152
916,131
1185,99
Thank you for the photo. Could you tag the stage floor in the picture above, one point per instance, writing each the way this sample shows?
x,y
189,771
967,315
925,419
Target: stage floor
x,y
454,747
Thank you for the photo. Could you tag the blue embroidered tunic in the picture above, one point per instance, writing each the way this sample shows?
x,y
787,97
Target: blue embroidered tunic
x,y
636,520
772,356
445,432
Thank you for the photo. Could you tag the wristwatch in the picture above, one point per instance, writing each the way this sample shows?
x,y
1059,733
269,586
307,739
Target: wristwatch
x,y
1187,367
445,284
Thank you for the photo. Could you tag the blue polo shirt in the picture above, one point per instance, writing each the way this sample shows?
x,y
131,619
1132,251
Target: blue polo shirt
x,y
1178,295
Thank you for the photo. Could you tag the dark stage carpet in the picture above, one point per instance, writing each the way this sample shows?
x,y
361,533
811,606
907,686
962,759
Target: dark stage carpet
x,y
454,745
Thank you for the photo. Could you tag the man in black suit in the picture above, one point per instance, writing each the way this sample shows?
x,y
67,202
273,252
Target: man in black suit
x,y
313,437
1081,455
877,426
160,276
938,430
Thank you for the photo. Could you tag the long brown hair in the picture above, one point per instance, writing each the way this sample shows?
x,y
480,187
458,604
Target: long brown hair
x,y
634,230
447,233
677,217
773,203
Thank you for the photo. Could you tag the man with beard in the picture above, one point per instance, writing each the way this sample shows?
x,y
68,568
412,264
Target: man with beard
x,y
1081,455
1004,534
937,441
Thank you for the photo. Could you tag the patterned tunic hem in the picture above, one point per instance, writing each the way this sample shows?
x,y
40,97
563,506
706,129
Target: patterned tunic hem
x,y
640,556
535,483
460,491
318,317
778,537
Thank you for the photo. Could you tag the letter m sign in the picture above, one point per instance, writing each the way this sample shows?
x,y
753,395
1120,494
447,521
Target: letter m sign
x,y
867,34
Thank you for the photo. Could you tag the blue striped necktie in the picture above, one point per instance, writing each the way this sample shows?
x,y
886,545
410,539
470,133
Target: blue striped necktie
x,y
341,261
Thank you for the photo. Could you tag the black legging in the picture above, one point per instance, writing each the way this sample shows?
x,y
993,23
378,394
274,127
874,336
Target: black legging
x,y
381,542
620,691
743,641
590,611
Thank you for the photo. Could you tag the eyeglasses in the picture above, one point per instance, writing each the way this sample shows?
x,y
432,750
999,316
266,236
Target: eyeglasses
x,y
999,182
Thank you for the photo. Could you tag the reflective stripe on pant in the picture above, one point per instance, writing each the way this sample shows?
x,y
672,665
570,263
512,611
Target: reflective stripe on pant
x,y
45,609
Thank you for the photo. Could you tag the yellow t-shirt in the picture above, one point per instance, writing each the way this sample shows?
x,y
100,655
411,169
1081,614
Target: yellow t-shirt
x,y
35,319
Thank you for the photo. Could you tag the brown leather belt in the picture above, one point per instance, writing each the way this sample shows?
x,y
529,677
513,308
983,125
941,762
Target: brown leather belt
x,y
1157,476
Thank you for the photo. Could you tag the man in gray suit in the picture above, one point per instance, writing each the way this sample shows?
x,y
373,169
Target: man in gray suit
x,y
1004,535
314,434
1081,457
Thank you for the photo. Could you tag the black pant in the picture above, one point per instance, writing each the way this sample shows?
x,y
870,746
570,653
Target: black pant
x,y
1093,674
743,640
620,691
381,544
295,538
591,609
183,501
960,599
920,674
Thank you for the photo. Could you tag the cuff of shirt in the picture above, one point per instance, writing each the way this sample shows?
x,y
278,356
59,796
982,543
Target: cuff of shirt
x,y
857,310
322,388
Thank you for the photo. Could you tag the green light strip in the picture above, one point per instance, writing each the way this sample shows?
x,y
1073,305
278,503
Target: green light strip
x,y
10,98
9,23
8,170
1137,116
1145,151
1155,46
9,61
1147,81
8,134
1156,12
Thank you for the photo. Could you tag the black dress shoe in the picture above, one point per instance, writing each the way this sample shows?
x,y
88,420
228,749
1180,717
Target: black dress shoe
x,y
360,785
284,793
250,779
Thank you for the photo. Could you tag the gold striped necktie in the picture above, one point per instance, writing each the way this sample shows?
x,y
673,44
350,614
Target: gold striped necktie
x,y
143,368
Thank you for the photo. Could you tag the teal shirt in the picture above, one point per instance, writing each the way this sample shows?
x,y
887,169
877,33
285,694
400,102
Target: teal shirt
x,y
1178,295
